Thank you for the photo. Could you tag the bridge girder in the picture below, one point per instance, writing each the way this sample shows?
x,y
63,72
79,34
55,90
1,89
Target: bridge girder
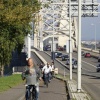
x,y
57,35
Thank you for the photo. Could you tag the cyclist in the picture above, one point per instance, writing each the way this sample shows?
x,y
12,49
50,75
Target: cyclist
x,y
46,70
32,75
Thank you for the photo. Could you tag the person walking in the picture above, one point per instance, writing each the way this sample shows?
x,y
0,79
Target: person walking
x,y
53,68
32,75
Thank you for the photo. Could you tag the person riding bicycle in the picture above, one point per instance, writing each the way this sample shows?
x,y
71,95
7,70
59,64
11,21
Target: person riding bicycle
x,y
41,66
46,70
32,75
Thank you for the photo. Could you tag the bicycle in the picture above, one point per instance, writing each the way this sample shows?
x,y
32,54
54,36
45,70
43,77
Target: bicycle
x,y
31,94
46,79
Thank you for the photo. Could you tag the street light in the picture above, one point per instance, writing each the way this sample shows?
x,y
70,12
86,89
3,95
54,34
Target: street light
x,y
95,34
79,48
70,51
52,50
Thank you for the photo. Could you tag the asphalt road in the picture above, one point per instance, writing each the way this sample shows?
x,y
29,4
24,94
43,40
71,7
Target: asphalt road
x,y
90,83
88,65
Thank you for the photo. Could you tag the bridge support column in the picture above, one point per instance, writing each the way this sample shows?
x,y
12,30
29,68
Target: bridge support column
x,y
35,41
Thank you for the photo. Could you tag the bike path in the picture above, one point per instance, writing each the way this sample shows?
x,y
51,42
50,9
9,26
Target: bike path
x,y
14,93
55,91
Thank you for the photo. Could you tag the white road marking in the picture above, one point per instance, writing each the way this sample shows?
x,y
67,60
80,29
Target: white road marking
x,y
86,69
85,62
89,64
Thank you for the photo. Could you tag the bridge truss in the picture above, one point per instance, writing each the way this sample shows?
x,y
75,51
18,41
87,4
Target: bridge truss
x,y
53,17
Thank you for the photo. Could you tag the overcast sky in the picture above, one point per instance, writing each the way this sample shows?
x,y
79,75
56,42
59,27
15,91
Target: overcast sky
x,y
88,30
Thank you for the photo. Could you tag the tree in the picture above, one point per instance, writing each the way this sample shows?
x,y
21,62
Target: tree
x,y
15,16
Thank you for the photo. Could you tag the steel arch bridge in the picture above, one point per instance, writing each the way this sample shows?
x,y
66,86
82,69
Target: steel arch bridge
x,y
54,22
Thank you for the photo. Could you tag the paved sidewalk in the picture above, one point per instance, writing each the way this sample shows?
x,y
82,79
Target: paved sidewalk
x,y
14,93
55,91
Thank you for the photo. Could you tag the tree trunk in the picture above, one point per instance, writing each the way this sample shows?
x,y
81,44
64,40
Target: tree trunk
x,y
2,70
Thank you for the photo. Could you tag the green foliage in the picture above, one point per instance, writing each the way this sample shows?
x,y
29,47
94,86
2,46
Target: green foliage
x,y
15,16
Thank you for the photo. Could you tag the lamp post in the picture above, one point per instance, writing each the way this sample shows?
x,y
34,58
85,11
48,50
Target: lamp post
x,y
70,48
95,34
79,48
53,50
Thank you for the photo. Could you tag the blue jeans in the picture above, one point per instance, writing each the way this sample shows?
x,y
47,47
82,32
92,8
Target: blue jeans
x,y
28,92
47,77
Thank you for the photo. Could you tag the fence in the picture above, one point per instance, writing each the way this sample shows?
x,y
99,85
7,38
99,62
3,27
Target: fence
x,y
18,69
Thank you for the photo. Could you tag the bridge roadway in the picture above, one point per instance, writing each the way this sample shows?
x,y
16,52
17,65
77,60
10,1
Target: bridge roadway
x,y
90,79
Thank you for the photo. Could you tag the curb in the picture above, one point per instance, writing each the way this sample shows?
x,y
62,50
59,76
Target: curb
x,y
74,94
67,87
69,91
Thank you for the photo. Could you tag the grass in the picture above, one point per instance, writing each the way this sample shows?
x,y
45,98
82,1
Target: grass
x,y
9,82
